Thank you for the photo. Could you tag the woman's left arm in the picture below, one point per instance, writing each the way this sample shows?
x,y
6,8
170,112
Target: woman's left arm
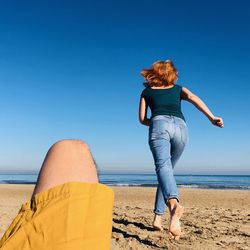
x,y
195,100
143,107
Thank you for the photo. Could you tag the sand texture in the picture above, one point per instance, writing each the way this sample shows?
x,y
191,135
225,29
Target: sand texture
x,y
213,219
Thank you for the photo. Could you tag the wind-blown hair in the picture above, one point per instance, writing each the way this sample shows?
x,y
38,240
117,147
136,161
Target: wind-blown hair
x,y
161,73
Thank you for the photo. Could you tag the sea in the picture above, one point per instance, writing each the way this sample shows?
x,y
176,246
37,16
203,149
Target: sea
x,y
240,182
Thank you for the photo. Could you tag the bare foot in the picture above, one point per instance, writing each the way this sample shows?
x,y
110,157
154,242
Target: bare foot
x,y
157,223
174,225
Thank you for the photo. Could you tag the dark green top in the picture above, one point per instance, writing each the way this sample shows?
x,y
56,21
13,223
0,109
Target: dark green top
x,y
164,101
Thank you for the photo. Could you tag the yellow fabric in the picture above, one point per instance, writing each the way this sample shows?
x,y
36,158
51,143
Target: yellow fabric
x,y
72,215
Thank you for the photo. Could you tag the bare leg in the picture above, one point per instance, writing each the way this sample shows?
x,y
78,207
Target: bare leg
x,y
157,222
66,160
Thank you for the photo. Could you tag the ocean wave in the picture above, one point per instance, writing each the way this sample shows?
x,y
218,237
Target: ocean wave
x,y
235,187
17,182
133,180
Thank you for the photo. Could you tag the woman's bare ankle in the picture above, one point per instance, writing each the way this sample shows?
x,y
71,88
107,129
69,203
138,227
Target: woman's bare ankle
x,y
157,222
172,203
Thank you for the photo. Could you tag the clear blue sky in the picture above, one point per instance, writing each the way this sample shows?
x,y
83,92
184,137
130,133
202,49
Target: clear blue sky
x,y
71,69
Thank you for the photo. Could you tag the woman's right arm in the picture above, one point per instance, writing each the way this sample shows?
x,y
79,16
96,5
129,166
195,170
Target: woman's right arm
x,y
195,100
143,107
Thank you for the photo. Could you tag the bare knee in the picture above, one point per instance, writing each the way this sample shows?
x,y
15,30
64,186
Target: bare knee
x,y
67,160
70,143
70,151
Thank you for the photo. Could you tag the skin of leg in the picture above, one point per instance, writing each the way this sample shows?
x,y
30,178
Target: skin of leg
x,y
66,160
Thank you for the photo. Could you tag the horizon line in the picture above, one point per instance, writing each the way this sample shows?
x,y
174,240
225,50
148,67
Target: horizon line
x,y
131,172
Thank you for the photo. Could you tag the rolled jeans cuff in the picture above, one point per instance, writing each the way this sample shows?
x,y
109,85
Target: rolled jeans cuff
x,y
158,213
176,197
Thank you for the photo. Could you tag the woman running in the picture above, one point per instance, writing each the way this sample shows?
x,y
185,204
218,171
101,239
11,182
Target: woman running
x,y
168,135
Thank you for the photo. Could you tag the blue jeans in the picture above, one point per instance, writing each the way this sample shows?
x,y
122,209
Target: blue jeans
x,y
168,136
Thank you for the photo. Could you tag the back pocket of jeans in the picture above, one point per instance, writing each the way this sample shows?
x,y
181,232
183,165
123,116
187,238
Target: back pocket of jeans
x,y
159,130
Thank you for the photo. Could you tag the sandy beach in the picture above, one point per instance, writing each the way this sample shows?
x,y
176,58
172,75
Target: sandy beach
x,y
213,219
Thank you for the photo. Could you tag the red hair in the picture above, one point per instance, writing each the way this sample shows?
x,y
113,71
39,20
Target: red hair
x,y
161,73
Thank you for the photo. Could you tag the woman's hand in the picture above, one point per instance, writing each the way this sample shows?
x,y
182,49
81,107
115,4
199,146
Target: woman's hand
x,y
217,121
